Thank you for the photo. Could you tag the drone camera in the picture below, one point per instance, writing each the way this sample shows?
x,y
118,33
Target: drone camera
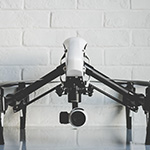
x,y
77,117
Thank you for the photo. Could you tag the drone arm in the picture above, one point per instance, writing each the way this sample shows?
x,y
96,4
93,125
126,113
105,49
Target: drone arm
x,y
22,106
20,95
110,96
134,99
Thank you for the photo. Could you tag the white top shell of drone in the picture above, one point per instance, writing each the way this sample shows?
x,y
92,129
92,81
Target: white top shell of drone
x,y
75,47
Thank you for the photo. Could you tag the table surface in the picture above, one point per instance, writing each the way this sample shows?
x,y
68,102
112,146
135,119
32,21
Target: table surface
x,y
69,138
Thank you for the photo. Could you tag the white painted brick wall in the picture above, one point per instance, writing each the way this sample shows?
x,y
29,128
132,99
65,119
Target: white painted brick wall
x,y
104,4
50,4
127,19
127,56
46,37
29,19
24,56
141,38
10,37
106,38
140,4
77,19
31,37
9,4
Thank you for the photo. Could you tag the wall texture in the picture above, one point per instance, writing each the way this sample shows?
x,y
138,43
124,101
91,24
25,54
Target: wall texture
x,y
31,37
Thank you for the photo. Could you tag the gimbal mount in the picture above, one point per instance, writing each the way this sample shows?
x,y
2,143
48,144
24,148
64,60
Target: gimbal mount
x,y
75,68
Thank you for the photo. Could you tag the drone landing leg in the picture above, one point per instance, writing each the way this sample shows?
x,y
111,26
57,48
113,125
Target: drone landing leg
x,y
129,87
1,131
147,141
129,126
1,116
22,139
128,119
23,119
21,86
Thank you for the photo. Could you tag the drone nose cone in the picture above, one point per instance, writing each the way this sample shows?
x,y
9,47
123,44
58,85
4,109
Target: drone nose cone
x,y
75,41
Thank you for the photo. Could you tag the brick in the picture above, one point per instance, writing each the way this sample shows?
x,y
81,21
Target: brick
x,y
20,19
141,38
80,19
10,37
49,4
95,55
130,56
56,55
141,73
9,74
23,56
9,4
127,19
140,4
105,37
104,4
46,37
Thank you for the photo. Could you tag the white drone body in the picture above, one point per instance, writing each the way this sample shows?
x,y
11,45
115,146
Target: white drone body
x,y
75,67
75,49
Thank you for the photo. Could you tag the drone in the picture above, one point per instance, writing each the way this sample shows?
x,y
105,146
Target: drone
x,y
75,73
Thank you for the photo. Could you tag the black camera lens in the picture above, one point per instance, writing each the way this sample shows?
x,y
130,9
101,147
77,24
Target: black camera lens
x,y
77,118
